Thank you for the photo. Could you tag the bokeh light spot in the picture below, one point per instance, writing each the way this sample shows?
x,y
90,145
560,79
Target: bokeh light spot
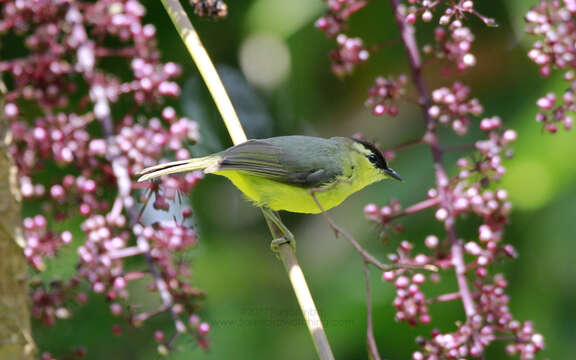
x,y
265,60
530,184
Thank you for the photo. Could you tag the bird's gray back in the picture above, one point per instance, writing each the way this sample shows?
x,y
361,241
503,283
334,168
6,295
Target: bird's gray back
x,y
299,160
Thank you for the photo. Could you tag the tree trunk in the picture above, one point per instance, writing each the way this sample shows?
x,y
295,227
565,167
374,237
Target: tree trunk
x,y
15,336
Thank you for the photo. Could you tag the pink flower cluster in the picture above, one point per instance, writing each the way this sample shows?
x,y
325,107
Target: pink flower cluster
x,y
454,12
41,242
52,302
471,340
350,52
469,193
384,214
385,93
142,144
99,262
62,137
493,149
63,110
454,44
410,302
453,106
337,13
552,23
161,241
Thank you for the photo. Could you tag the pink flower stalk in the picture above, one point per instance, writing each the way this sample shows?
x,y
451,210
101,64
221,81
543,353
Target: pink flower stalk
x,y
552,25
480,292
64,113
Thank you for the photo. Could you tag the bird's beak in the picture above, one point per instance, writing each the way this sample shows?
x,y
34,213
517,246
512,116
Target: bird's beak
x,y
393,174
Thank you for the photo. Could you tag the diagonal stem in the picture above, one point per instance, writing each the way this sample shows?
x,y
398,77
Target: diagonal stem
x,y
421,206
305,300
406,145
220,97
207,70
366,256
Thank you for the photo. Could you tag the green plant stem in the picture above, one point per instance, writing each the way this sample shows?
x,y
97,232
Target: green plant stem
x,y
286,251
206,67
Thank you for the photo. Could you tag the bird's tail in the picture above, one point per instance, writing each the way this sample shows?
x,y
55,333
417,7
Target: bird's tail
x,y
208,163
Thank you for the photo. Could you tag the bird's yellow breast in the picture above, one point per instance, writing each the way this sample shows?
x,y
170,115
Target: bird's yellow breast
x,y
280,196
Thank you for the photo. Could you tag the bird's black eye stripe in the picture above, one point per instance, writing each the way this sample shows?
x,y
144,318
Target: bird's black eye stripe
x,y
375,156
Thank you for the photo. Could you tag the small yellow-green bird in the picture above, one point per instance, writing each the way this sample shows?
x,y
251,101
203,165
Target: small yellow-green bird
x,y
280,173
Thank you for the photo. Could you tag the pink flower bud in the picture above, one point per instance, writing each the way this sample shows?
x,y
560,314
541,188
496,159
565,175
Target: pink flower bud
x,y
427,16
11,110
149,31
551,128
66,237
441,214
169,114
379,110
371,210
388,276
434,111
509,136
418,278
116,309
385,211
194,320
98,287
406,246
204,328
119,283
568,122
421,259
431,241
545,103
402,282
159,336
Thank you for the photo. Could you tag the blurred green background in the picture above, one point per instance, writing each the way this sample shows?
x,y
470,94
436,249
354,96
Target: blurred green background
x,y
276,67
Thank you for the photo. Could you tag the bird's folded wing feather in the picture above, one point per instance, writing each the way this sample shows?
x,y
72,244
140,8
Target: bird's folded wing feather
x,y
276,162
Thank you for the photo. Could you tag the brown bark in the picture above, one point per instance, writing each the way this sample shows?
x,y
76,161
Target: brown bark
x,y
15,336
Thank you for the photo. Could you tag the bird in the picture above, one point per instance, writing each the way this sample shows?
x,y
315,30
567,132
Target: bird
x,y
299,174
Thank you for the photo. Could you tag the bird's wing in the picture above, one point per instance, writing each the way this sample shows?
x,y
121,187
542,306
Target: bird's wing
x,y
272,159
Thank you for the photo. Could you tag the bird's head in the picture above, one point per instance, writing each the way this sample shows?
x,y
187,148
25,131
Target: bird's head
x,y
376,159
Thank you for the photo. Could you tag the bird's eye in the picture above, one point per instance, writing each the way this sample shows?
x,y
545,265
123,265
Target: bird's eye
x,y
372,158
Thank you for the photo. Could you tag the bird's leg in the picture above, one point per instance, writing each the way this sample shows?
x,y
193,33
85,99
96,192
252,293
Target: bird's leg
x,y
280,232
333,226
313,191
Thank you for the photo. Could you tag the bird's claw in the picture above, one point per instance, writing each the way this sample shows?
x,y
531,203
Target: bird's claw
x,y
276,243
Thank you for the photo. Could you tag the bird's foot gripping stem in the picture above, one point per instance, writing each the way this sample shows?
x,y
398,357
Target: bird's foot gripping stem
x,y
276,243
280,232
